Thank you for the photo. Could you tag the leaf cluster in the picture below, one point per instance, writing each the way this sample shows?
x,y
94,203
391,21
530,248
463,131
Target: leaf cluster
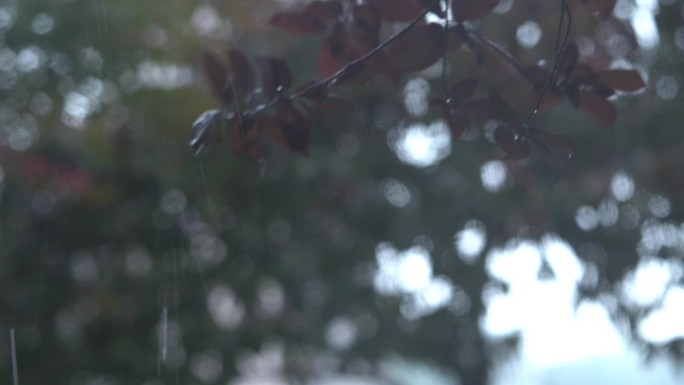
x,y
352,53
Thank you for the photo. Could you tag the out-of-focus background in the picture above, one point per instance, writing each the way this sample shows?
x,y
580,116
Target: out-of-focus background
x,y
389,255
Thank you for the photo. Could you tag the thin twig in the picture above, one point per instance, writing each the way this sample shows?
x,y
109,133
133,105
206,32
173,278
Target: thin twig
x,y
445,46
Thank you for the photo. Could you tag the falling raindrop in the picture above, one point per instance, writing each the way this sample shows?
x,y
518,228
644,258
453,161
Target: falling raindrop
x,y
15,371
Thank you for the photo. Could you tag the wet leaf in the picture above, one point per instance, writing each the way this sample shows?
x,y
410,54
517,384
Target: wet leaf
x,y
537,76
597,108
275,75
324,10
417,49
217,75
366,18
581,73
242,72
380,62
297,22
271,129
360,41
464,10
504,111
249,143
551,99
332,56
397,10
622,80
296,127
460,92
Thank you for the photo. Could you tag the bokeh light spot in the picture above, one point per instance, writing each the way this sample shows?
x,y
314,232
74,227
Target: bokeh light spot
x,y
528,34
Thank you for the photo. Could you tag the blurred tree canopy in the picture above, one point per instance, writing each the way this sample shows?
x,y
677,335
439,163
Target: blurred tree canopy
x,y
125,258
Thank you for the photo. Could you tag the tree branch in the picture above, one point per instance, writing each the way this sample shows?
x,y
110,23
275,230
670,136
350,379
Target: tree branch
x,y
347,68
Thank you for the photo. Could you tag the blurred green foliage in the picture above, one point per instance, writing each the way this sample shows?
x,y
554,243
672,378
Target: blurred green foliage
x,y
108,221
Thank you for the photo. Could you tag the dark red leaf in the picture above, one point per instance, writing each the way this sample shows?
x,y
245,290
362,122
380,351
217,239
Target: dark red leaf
x,y
537,76
602,7
623,80
551,99
297,22
460,92
458,123
417,49
275,75
359,42
379,62
397,10
241,71
331,60
472,9
366,18
296,128
581,73
332,57
218,78
504,111
250,143
324,10
271,129
597,108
